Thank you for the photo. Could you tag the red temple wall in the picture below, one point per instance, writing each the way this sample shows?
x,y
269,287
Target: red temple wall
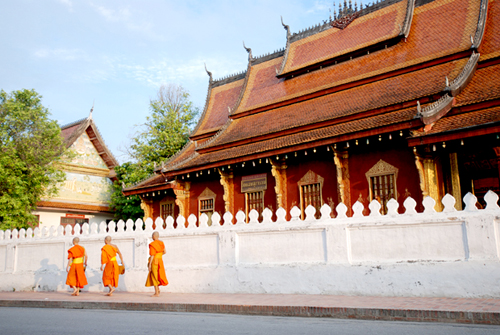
x,y
407,183
269,194
322,164
199,185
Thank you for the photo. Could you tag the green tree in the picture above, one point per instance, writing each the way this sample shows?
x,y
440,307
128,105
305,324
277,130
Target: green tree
x,y
126,207
165,132
30,143
166,129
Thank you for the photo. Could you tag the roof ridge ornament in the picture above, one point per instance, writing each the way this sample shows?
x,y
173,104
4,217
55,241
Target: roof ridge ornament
x,y
434,111
208,72
465,76
481,25
91,110
286,26
249,50
405,28
346,15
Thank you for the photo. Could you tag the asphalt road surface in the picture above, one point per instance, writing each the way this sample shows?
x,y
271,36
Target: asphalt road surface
x,y
92,322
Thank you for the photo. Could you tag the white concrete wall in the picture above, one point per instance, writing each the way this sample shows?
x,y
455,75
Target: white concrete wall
x,y
452,253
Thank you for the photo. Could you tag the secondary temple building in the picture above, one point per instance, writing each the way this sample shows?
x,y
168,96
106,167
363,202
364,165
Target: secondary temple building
x,y
84,196
396,99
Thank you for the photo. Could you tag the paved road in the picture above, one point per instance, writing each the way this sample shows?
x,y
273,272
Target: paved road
x,y
77,321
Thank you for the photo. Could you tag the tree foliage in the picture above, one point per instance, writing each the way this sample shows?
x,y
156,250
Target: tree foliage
x,y
29,144
166,129
126,207
165,132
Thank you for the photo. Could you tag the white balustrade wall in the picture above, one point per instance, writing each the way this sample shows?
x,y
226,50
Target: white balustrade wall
x,y
450,253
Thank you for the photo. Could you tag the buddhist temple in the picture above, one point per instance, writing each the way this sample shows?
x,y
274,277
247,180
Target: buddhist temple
x,y
394,99
84,196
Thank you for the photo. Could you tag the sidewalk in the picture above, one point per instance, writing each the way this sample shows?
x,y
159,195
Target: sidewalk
x,y
457,310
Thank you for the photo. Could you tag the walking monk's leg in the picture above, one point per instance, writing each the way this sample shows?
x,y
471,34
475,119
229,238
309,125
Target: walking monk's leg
x,y
111,290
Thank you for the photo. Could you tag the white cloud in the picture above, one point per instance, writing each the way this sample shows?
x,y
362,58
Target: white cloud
x,y
67,3
122,14
169,71
61,54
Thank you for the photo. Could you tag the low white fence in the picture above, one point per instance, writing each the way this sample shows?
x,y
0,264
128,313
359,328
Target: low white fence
x,y
450,253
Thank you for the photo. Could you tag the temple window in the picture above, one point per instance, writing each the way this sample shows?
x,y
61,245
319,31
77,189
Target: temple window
x,y
254,200
311,192
167,209
206,204
207,207
253,187
72,221
382,179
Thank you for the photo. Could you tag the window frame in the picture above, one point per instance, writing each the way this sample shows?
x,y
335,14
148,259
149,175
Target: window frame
x,y
165,202
207,194
247,205
310,178
380,169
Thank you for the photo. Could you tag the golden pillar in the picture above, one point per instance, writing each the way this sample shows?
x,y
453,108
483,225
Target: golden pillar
x,y
279,173
227,182
341,159
181,190
147,207
428,171
456,191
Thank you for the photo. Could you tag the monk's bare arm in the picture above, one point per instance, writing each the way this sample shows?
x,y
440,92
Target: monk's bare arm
x,y
86,257
120,254
70,261
150,263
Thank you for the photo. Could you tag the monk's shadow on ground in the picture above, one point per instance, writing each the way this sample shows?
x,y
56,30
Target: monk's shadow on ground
x,y
48,277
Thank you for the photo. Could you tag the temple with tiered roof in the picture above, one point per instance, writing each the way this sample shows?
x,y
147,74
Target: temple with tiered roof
x,y
396,99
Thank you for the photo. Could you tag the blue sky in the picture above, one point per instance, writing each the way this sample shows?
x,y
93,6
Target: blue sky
x,y
118,53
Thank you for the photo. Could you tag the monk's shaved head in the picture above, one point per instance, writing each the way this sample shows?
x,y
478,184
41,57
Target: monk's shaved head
x,y
156,235
76,240
107,239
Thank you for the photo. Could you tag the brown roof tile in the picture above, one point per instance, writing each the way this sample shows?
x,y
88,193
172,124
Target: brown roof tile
x,y
221,97
186,153
68,131
382,93
485,85
302,137
73,131
153,180
367,30
490,47
461,121
439,28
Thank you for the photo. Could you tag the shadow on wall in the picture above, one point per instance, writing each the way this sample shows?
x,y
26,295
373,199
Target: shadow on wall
x,y
48,277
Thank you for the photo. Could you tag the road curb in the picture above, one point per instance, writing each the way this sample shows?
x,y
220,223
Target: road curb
x,y
388,314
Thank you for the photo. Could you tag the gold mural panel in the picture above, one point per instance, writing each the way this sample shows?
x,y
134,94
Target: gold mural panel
x,y
85,188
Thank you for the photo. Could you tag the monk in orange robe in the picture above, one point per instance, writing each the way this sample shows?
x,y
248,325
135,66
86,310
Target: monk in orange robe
x,y
77,259
156,276
109,265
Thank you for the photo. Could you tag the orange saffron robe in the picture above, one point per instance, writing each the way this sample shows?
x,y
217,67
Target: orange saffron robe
x,y
111,271
76,275
157,276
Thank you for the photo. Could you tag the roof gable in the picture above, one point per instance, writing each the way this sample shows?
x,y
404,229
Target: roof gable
x,y
73,131
87,154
